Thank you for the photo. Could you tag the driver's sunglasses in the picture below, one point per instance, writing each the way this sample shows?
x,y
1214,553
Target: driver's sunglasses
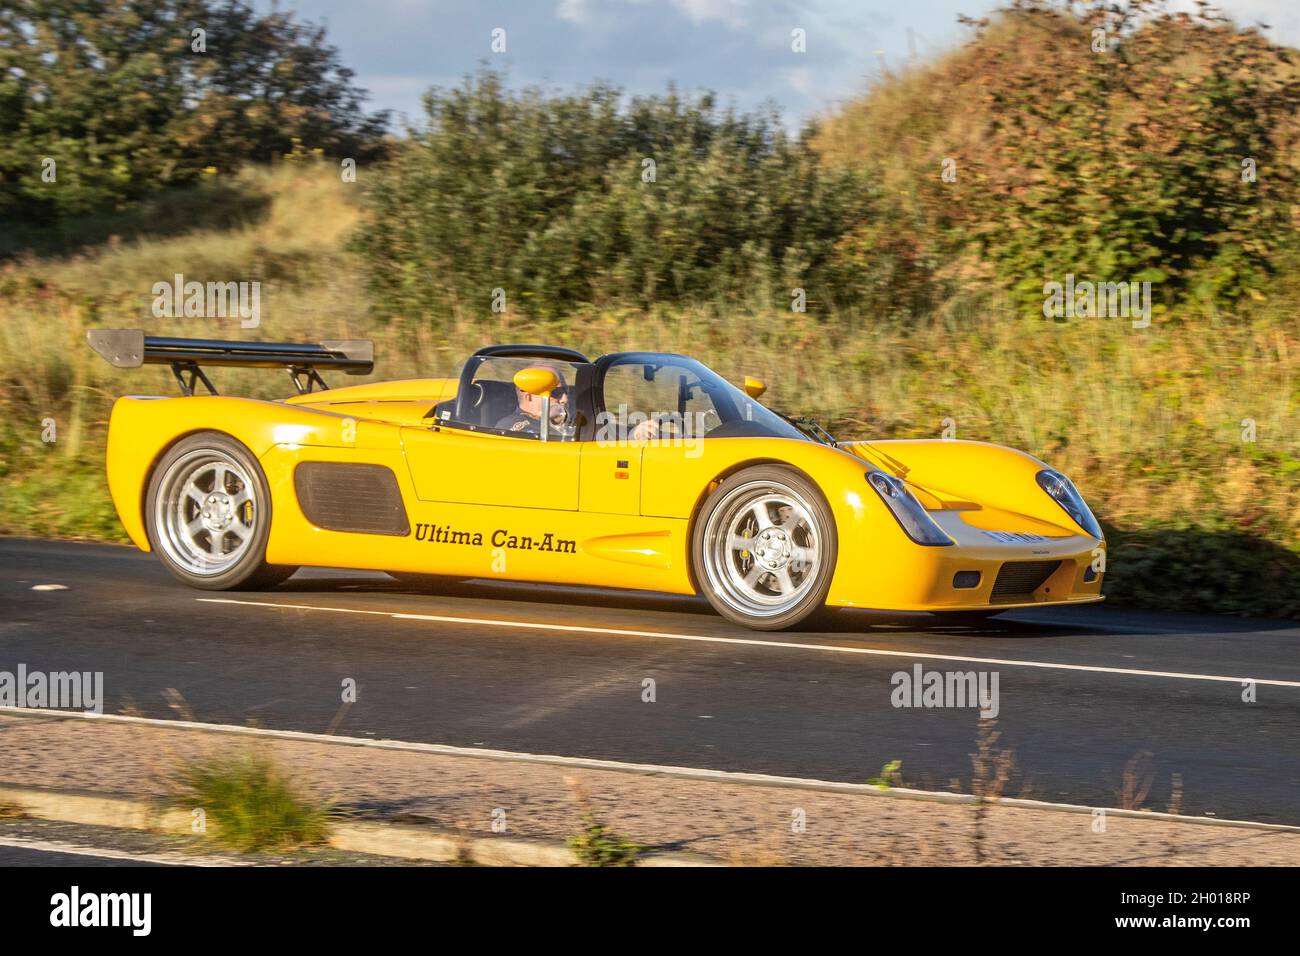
x,y
559,394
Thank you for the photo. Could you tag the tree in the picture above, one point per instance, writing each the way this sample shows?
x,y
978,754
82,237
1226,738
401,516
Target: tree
x,y
103,102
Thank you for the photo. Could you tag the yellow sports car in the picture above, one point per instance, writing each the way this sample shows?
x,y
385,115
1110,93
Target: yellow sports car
x,y
633,470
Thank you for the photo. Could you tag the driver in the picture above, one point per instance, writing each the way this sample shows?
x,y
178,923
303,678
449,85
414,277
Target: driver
x,y
527,416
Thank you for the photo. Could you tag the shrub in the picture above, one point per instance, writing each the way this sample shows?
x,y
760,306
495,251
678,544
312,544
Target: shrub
x,y
250,803
565,200
1115,156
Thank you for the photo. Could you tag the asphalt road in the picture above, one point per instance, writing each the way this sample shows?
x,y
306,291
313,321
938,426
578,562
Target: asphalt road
x,y
819,709
27,856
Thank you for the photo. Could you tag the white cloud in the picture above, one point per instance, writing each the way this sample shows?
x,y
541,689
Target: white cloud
x,y
1281,16
801,80
575,11
730,12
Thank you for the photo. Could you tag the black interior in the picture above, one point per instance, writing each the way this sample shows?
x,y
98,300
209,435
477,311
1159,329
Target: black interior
x,y
490,401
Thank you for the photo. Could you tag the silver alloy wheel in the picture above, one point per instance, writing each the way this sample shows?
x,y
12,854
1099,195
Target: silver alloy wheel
x,y
763,547
206,511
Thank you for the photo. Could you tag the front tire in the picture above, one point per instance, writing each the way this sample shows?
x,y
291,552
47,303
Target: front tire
x,y
764,548
208,515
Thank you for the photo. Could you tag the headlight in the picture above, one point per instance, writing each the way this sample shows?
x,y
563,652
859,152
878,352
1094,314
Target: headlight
x,y
1063,492
916,521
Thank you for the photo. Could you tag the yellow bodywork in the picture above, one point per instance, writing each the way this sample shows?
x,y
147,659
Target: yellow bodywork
x,y
619,515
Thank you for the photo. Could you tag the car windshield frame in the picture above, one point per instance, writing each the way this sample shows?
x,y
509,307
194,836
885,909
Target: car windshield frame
x,y
729,401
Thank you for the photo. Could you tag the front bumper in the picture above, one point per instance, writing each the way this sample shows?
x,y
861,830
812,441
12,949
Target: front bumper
x,y
961,582
982,570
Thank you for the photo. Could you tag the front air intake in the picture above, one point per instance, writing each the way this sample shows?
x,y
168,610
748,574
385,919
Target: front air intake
x,y
1018,580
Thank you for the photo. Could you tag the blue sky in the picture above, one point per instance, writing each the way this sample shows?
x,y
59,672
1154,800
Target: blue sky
x,y
741,49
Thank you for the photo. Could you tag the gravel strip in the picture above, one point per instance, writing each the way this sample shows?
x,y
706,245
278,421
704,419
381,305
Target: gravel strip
x,y
741,824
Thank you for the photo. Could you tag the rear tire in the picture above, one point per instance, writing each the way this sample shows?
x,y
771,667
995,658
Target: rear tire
x,y
764,548
208,515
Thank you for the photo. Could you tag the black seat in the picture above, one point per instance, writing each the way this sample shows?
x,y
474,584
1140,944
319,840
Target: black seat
x,y
499,399
490,402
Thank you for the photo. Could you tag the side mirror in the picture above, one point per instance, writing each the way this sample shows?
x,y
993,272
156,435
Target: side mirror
x,y
540,382
537,381
753,387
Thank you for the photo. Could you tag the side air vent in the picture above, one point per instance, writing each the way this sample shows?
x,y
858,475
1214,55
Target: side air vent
x,y
363,499
1018,580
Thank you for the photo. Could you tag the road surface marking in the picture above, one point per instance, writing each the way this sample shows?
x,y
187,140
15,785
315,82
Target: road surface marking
x,y
650,769
757,642
72,849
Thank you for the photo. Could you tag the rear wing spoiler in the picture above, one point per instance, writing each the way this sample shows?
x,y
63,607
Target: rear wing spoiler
x,y
131,348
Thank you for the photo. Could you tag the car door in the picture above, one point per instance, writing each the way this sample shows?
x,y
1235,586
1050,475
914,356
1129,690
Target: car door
x,y
637,391
476,468
470,454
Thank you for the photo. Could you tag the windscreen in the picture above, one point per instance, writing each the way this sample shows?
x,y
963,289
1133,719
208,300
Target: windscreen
x,y
657,395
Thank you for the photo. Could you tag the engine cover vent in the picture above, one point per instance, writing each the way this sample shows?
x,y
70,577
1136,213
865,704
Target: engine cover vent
x,y
363,499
